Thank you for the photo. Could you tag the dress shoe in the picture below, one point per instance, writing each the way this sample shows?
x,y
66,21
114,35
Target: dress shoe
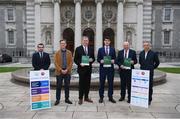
x,y
121,99
128,101
149,103
112,100
101,100
80,102
88,100
56,103
68,101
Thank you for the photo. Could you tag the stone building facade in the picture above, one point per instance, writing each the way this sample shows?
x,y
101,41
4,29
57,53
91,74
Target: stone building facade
x,y
48,21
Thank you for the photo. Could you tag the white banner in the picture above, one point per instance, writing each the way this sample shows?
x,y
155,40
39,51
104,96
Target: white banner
x,y
140,88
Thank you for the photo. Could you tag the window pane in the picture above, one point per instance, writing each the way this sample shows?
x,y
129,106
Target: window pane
x,y
10,14
166,37
11,37
167,16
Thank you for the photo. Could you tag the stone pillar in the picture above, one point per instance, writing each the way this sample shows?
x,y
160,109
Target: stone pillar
x,y
37,8
139,42
99,32
120,19
77,22
57,24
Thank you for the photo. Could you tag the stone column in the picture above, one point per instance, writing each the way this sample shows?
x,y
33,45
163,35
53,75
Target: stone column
x,y
99,32
77,22
57,24
37,8
120,19
139,42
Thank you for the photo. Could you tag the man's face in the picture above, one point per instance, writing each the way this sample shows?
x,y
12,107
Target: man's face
x,y
63,44
126,46
107,42
85,41
40,48
146,46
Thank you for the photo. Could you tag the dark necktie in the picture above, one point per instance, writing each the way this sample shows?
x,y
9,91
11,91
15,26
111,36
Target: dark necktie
x,y
86,52
125,56
106,50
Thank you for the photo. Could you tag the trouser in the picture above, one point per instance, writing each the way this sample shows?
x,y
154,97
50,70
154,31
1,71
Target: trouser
x,y
109,73
151,85
84,82
125,76
59,82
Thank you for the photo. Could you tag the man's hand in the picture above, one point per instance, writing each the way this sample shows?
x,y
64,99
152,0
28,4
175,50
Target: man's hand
x,y
132,62
82,65
122,67
102,61
64,71
90,60
112,61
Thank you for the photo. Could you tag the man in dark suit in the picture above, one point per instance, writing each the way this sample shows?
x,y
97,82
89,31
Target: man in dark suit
x,y
41,59
105,71
84,71
149,60
125,72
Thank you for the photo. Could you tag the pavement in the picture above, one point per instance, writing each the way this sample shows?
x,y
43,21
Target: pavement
x,y
14,103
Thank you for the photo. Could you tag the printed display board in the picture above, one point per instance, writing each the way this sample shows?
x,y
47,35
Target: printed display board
x,y
140,88
40,90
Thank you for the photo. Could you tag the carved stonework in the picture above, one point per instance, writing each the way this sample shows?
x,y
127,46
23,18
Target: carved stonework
x,y
109,13
68,14
47,34
88,14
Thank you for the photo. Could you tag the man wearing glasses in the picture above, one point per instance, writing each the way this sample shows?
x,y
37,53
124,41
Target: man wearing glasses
x,y
40,59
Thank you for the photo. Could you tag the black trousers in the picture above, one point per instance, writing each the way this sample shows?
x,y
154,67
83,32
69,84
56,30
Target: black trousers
x,y
84,82
151,85
109,73
59,82
125,76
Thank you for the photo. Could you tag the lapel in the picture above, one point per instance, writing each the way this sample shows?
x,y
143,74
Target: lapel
x,y
82,49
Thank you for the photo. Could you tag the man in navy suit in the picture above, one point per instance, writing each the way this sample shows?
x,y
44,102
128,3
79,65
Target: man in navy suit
x,y
149,60
83,70
41,59
108,72
125,73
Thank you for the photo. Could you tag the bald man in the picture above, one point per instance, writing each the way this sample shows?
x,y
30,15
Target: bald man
x,y
126,54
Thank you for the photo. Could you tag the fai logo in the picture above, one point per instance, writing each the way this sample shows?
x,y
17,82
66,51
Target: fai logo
x,y
142,73
42,73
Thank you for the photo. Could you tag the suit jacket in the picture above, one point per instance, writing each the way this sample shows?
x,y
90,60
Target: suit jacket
x,y
58,62
102,53
79,52
151,62
120,57
41,63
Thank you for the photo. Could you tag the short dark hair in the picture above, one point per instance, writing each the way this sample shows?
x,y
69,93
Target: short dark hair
x,y
107,37
62,40
40,44
85,35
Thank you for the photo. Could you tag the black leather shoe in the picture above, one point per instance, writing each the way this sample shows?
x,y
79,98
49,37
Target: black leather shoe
x,y
101,100
149,103
112,100
121,99
56,103
128,101
80,102
68,101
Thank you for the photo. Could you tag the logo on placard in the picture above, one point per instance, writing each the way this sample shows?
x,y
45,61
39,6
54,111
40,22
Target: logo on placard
x,y
42,73
142,73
